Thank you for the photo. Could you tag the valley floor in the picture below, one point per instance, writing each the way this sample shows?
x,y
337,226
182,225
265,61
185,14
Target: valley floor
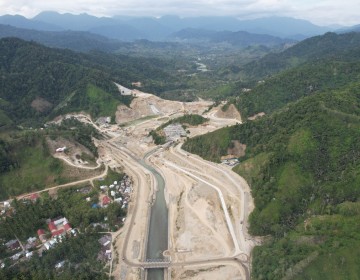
x,y
208,204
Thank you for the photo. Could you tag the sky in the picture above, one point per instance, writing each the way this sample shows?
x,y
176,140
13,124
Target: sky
x,y
321,12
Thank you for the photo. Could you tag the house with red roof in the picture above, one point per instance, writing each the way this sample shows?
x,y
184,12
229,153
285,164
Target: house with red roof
x,y
106,201
67,227
58,232
52,226
34,197
41,234
58,227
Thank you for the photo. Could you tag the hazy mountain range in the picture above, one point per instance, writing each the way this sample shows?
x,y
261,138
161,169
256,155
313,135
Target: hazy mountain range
x,y
163,28
87,41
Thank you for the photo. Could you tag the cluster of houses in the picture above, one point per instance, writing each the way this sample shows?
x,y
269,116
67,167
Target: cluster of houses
x,y
14,246
119,191
105,252
58,228
6,208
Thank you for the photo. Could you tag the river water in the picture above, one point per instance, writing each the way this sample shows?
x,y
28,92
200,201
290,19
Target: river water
x,y
158,228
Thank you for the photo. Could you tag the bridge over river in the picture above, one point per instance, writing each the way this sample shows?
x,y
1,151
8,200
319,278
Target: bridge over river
x,y
156,263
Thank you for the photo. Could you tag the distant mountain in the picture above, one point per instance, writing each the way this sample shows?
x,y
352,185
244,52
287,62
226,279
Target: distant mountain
x,y
276,26
86,41
355,28
128,29
22,22
123,32
82,22
283,27
151,28
239,38
154,30
197,34
74,40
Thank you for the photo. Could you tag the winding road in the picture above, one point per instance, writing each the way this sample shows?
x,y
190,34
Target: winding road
x,y
145,182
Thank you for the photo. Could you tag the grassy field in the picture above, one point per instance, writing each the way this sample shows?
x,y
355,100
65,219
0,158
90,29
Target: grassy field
x,y
105,104
251,168
37,170
343,264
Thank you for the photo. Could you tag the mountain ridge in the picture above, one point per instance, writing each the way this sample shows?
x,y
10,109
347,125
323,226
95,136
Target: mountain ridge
x,y
159,28
238,38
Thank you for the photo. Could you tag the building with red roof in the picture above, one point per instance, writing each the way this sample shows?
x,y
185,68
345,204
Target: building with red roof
x,y
41,234
106,200
58,227
58,232
34,196
52,226
67,227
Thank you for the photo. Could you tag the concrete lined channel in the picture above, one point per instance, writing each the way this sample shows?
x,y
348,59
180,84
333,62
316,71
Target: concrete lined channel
x,y
158,227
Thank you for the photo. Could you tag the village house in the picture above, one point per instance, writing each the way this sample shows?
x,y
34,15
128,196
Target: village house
x,y
106,201
12,245
31,243
41,235
58,229
60,150
33,197
105,253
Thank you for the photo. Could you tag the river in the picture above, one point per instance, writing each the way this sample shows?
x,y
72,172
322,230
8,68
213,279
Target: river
x,y
158,228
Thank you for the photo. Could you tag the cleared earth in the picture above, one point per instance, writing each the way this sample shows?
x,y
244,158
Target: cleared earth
x,y
208,204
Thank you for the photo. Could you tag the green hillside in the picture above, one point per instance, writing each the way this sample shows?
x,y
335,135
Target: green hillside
x,y
26,163
74,40
318,63
330,45
293,84
39,82
303,164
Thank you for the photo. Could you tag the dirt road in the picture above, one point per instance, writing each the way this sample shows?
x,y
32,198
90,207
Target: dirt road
x,y
208,204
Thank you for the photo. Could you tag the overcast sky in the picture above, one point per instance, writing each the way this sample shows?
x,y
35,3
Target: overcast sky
x,y
320,12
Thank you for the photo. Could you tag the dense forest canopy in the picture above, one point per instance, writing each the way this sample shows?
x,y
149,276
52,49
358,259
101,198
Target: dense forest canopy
x,y
329,45
39,82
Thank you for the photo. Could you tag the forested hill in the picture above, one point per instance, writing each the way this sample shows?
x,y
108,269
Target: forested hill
x,y
330,45
239,38
307,79
303,166
74,40
38,82
302,161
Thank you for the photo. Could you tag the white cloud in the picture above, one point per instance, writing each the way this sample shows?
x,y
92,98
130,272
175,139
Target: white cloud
x,y
320,11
